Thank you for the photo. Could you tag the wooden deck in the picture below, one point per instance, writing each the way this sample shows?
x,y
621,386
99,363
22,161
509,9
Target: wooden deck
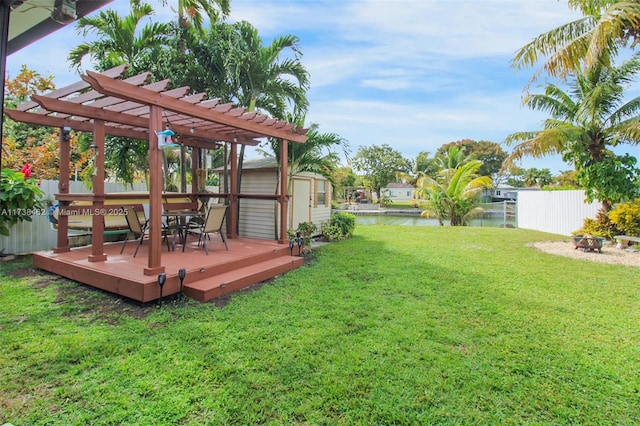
x,y
248,262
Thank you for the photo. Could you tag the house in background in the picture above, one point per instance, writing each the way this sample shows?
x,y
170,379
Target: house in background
x,y
504,192
398,191
310,199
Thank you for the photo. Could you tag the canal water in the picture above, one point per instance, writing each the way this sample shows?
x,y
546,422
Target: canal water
x,y
387,219
500,214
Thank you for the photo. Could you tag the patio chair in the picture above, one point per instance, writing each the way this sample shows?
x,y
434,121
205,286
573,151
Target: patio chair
x,y
138,230
212,224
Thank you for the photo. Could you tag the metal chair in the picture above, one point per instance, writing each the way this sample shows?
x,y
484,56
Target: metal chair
x,y
212,224
138,230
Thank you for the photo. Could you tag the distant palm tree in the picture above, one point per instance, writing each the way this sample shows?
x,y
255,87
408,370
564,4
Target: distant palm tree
x,y
594,39
453,193
586,122
452,158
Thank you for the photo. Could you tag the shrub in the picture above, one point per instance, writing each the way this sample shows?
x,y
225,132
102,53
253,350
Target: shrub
x,y
626,217
339,227
306,230
601,226
19,198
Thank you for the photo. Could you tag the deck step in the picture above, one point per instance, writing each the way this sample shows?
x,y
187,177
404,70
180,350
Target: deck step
x,y
228,282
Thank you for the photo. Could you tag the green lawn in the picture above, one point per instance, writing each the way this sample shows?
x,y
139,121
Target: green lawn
x,y
399,325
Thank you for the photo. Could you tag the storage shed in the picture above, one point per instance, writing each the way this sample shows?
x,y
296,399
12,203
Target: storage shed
x,y
310,199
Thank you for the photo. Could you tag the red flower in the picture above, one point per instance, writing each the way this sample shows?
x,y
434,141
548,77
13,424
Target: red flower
x,y
26,170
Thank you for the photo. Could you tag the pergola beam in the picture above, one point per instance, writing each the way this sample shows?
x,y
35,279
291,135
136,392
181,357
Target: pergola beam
x,y
112,87
82,126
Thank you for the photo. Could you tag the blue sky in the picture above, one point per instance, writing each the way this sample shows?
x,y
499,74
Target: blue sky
x,y
413,74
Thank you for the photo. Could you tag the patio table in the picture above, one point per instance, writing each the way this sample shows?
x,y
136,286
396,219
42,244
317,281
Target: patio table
x,y
181,225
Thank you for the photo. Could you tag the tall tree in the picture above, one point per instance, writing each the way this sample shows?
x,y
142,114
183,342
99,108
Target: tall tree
x,y
454,193
585,124
121,40
192,12
265,78
490,153
425,164
379,165
191,15
594,39
537,177
36,145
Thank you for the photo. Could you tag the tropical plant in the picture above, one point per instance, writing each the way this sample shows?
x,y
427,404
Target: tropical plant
x,y
36,145
19,198
453,194
239,68
585,124
317,155
193,11
425,165
120,39
626,217
601,226
592,40
190,17
451,157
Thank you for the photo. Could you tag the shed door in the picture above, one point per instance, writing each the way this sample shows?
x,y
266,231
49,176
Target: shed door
x,y
301,202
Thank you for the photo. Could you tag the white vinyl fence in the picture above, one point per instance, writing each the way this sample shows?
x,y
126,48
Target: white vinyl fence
x,y
556,212
27,237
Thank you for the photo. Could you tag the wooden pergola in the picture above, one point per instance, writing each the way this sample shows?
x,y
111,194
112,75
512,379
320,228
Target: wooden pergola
x,y
106,104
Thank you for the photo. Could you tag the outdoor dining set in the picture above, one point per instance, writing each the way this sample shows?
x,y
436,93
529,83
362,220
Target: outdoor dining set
x,y
180,220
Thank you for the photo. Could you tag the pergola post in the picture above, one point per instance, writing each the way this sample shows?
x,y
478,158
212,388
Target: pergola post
x,y
62,244
4,40
97,213
154,265
233,192
195,165
283,199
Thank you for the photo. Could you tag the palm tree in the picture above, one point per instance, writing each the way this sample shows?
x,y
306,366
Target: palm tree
x,y
606,27
585,124
452,158
256,76
120,40
192,12
454,193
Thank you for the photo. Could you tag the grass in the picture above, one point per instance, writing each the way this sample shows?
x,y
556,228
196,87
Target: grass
x,y
401,205
398,325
